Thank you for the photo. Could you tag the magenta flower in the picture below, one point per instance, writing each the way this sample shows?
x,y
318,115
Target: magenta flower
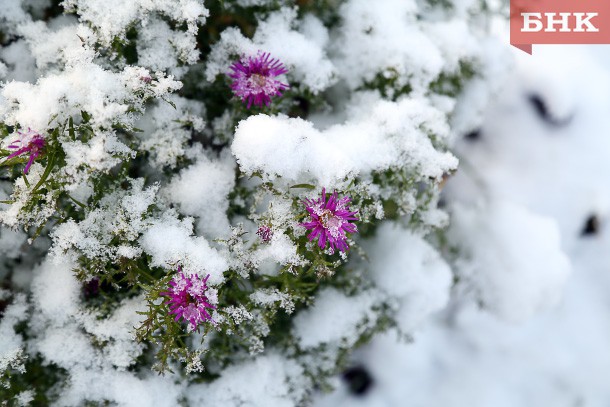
x,y
330,221
265,233
30,142
253,79
188,300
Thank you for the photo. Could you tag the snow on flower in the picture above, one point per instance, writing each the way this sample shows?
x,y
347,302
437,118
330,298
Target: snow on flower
x,y
188,300
330,221
254,79
265,233
30,142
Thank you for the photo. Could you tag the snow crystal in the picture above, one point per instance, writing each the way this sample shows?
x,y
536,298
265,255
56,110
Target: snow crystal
x,y
269,296
120,214
61,47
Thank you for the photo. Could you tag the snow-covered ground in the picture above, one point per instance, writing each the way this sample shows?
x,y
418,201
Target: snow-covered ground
x,y
532,199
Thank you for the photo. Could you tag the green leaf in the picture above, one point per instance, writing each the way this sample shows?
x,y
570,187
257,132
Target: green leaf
x,y
303,186
46,173
172,104
71,129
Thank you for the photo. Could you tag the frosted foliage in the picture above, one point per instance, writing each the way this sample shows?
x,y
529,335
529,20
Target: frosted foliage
x,y
113,18
514,277
386,37
147,167
160,47
117,331
61,46
280,250
55,98
269,380
93,235
164,134
13,215
101,153
392,134
170,242
272,296
64,332
300,45
411,272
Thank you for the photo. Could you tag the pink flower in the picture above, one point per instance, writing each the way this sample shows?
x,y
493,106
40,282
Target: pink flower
x,y
265,233
187,299
330,221
30,142
254,79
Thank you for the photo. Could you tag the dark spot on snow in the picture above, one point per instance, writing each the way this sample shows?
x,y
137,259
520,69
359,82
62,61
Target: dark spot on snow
x,y
442,202
358,380
541,108
591,226
474,135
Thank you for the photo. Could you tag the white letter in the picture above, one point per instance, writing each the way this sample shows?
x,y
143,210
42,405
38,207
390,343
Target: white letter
x,y
580,22
527,23
550,22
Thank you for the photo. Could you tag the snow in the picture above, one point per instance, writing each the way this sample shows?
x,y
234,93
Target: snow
x,y
515,277
269,380
56,97
11,346
113,18
520,203
163,129
506,307
202,190
299,45
63,332
392,134
387,37
406,268
338,319
120,216
170,242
